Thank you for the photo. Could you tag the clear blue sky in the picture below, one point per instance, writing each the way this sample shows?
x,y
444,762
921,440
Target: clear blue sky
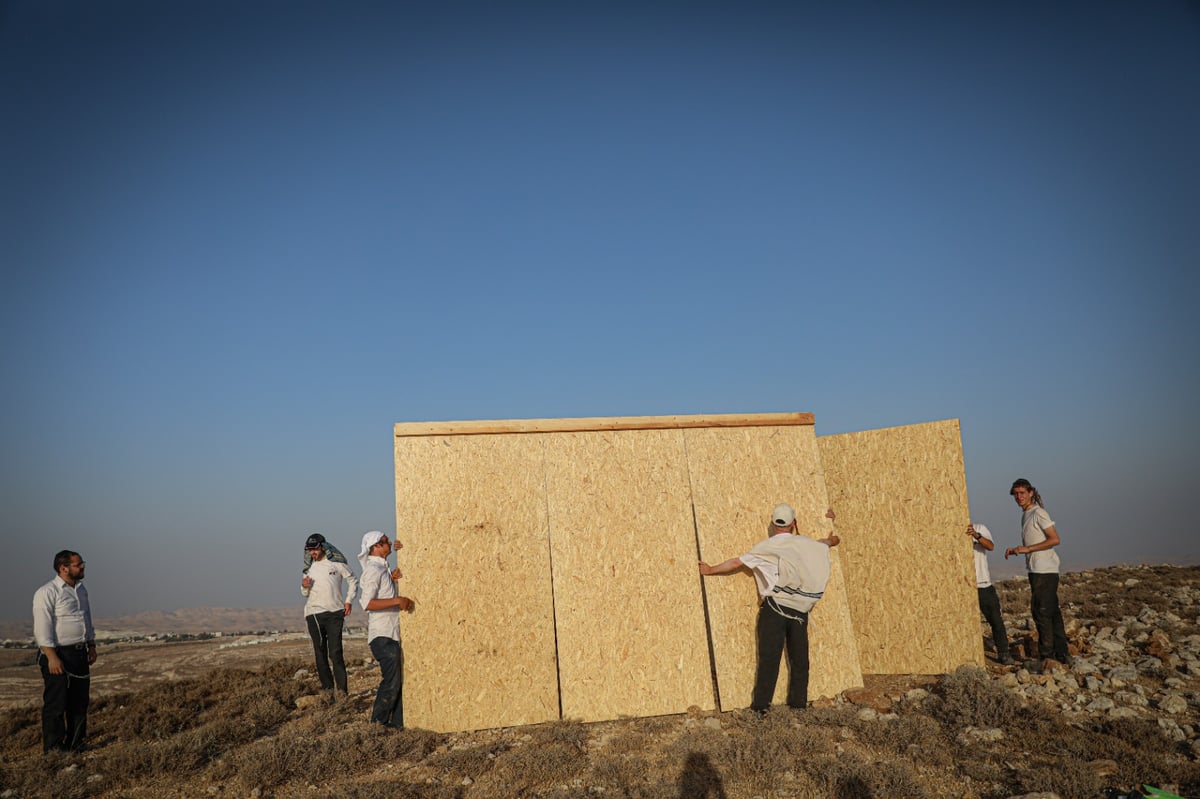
x,y
241,239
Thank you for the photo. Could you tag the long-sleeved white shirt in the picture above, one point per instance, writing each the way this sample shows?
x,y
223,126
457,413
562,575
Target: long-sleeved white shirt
x,y
62,615
330,581
377,584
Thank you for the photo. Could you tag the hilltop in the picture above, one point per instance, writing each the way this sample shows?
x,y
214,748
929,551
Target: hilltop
x,y
242,717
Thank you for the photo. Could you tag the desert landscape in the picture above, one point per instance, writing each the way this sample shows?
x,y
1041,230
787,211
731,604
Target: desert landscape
x,y
241,716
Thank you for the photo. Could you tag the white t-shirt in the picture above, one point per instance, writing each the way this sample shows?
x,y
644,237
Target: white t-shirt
x,y
1034,523
794,569
326,593
983,578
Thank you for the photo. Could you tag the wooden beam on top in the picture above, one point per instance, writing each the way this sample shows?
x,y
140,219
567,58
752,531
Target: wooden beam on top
x,y
483,427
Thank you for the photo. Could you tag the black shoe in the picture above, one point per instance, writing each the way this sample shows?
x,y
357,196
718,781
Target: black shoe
x,y
1005,659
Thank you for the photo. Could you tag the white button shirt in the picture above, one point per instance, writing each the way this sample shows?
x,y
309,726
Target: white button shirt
x,y
62,615
376,583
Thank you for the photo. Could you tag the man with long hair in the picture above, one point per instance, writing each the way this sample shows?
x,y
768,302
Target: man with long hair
x,y
1038,540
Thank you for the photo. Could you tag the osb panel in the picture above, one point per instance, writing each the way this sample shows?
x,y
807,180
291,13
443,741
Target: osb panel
x,y
629,616
901,497
479,649
738,476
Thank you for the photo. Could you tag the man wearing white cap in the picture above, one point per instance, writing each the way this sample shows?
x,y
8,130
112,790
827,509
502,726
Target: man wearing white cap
x,y
791,572
383,605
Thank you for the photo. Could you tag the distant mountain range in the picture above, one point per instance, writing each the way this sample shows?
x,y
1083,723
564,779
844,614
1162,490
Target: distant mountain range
x,y
186,621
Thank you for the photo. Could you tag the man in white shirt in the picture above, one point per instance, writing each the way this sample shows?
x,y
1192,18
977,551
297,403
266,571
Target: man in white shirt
x,y
62,626
989,600
791,572
330,587
383,605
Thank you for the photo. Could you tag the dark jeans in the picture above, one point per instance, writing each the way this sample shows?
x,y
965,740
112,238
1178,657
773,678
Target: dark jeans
x,y
775,634
325,630
389,704
65,700
1047,617
989,605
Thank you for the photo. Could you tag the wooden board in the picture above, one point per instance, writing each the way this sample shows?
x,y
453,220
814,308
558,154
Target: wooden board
x,y
627,600
479,649
901,498
738,476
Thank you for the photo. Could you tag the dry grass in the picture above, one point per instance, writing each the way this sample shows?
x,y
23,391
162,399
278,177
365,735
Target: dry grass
x,y
239,733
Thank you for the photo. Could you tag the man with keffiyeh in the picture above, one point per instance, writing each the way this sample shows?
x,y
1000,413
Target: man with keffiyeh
x,y
791,572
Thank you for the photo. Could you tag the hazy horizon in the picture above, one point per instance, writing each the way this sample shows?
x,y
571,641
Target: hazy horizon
x,y
241,241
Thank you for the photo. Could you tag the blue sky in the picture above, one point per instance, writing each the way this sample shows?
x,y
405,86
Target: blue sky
x,y
241,240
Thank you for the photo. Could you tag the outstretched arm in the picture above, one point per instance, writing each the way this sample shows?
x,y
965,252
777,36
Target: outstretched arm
x,y
724,567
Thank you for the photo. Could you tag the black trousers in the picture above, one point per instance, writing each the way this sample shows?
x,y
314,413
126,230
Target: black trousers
x,y
1047,617
989,605
778,633
325,630
65,700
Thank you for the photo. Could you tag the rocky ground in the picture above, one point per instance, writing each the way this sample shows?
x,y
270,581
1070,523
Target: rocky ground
x,y
1125,712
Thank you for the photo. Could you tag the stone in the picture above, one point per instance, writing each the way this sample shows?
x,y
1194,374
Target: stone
x,y
1173,703
1122,672
1100,703
865,697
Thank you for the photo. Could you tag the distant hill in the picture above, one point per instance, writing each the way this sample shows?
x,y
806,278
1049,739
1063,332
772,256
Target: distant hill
x,y
185,621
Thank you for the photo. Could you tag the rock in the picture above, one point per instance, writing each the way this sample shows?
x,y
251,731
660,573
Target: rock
x,y
712,723
865,697
1122,713
972,735
1122,672
920,694
1104,768
867,714
1173,703
300,674
1099,704
308,701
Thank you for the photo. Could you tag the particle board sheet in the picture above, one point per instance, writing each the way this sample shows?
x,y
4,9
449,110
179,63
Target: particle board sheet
x,y
479,648
901,496
738,476
627,601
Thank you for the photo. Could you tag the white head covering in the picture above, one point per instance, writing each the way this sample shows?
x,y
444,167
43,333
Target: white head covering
x,y
368,540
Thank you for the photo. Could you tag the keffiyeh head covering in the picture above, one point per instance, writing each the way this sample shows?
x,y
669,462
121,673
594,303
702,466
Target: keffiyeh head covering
x,y
368,540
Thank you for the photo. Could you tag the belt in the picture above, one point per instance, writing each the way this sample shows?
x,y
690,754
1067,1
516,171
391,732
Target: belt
x,y
79,647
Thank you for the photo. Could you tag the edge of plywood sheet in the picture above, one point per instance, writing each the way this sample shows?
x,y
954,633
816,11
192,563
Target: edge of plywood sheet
x,y
495,426
901,498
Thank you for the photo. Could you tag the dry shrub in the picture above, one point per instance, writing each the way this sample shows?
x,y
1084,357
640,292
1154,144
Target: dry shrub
x,y
851,777
969,698
1067,779
624,774
471,762
916,736
532,769
568,731
21,728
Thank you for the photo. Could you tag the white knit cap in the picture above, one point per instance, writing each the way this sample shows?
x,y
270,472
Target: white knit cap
x,y
368,540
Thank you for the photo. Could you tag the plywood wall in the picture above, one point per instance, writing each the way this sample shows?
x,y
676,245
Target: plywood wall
x,y
738,476
479,648
631,636
901,498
